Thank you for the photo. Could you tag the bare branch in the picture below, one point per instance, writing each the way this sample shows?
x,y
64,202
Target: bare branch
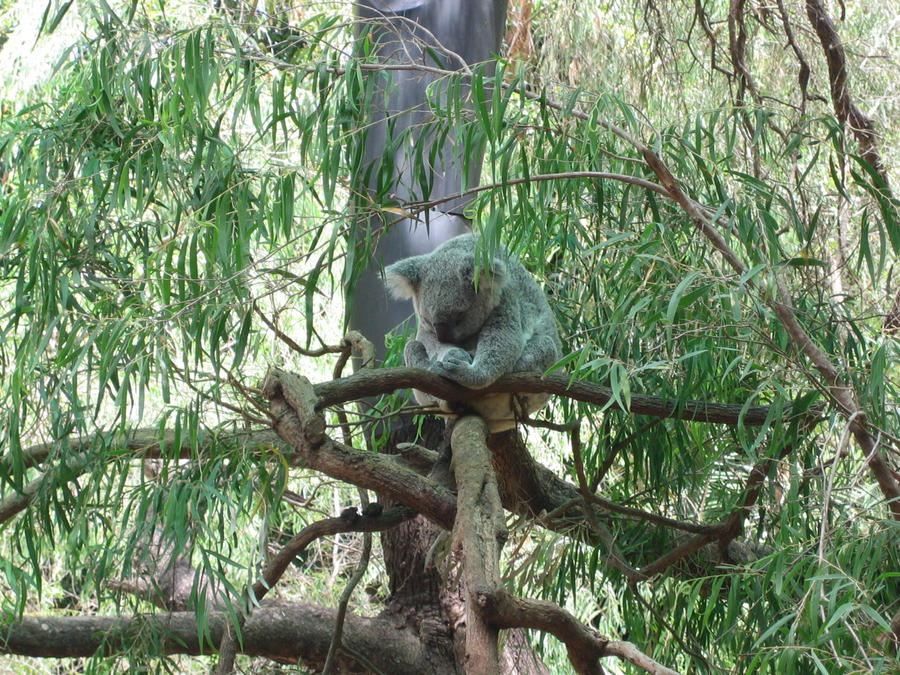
x,y
737,40
385,380
282,631
286,339
585,646
803,75
861,126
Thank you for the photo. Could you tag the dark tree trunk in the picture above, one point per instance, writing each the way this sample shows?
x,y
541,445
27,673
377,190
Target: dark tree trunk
x,y
415,32
408,31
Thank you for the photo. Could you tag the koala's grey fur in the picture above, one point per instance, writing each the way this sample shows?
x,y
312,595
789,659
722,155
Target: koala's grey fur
x,y
475,336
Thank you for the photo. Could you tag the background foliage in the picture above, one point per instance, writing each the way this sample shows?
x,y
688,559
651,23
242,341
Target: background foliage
x,y
185,166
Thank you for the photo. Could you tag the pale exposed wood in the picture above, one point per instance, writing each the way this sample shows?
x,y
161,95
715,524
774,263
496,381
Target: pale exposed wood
x,y
479,533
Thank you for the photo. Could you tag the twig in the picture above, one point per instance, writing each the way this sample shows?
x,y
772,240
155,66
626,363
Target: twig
x,y
669,627
286,339
348,592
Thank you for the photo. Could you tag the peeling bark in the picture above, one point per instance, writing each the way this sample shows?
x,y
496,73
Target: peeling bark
x,y
479,534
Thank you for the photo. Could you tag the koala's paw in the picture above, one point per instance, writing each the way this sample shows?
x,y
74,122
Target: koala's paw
x,y
457,356
456,364
415,355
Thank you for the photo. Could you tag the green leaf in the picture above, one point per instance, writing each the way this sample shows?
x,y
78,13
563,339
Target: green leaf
x,y
677,296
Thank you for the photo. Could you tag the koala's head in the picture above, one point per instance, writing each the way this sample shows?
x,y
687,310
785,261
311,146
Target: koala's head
x,y
441,285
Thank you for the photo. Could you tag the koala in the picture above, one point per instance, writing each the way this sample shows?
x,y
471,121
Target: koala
x,y
475,332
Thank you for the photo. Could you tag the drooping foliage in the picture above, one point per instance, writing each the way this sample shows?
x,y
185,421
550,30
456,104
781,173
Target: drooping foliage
x,y
184,180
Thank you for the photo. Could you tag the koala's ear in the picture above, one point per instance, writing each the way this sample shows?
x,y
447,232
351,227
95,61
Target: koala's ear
x,y
498,272
491,281
402,278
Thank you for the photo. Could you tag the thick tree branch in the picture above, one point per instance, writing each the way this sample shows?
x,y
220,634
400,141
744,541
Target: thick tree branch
x,y
286,632
364,469
16,502
479,534
737,41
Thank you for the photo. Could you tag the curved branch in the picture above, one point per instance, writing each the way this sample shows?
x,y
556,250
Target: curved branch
x,y
861,126
539,178
349,521
585,646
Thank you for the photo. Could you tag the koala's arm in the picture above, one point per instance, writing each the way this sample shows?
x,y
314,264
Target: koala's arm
x,y
415,355
543,348
499,347
426,350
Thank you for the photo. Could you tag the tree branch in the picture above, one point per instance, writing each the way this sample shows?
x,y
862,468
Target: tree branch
x,y
282,631
364,469
384,380
861,126
782,306
349,521
479,534
146,443
77,455
585,646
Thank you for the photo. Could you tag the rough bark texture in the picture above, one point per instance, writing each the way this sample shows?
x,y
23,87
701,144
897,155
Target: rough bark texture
x,y
417,597
286,632
364,469
479,533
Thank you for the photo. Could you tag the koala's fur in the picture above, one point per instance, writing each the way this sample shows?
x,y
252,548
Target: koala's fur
x,y
475,336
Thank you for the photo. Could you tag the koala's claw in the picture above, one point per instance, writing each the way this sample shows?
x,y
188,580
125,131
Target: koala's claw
x,y
456,365
456,356
452,371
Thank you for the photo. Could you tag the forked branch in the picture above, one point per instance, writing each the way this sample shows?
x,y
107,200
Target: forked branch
x,y
480,532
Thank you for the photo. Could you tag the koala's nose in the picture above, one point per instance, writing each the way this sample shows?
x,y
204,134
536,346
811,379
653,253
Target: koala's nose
x,y
443,331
